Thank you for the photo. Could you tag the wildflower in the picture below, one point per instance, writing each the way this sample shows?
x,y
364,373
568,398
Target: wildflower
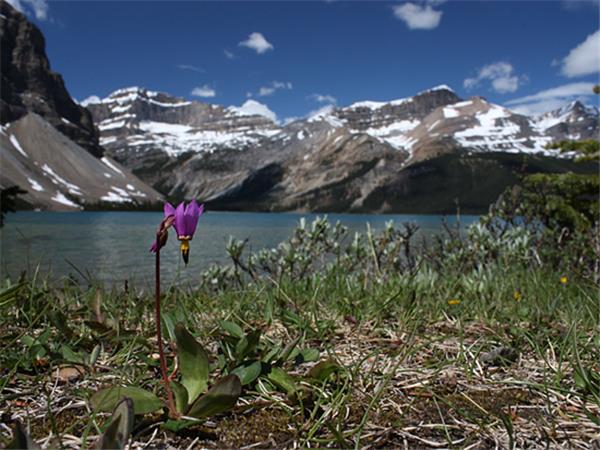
x,y
184,219
564,279
517,295
454,301
162,232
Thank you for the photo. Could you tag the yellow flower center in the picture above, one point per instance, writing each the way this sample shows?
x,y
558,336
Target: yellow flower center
x,y
184,244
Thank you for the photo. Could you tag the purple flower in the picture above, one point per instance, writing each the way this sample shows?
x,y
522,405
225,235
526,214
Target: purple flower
x,y
184,219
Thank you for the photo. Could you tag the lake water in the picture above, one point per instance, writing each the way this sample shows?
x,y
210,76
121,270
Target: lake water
x,y
111,247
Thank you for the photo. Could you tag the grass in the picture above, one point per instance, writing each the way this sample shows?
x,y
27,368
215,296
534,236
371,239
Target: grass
x,y
412,369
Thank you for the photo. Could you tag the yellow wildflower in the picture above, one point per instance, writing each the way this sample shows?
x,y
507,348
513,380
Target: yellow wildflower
x,y
517,295
454,301
564,279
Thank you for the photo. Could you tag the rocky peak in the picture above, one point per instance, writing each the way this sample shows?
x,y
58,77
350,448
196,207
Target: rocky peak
x,y
30,86
369,114
572,121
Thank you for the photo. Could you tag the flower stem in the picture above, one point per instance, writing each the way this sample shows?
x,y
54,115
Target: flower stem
x,y
163,362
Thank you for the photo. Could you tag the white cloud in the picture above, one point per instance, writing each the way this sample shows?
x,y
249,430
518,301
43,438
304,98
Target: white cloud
x,y
256,41
228,54
500,75
39,7
583,59
252,107
419,17
190,67
323,98
550,99
203,91
271,88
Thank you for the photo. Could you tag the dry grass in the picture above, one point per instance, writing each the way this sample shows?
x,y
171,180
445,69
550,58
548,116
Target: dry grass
x,y
399,390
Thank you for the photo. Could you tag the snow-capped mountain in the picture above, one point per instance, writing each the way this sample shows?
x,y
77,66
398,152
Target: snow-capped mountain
x,y
438,117
347,158
136,119
574,121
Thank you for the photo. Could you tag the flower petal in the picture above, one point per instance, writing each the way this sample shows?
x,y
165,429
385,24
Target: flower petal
x,y
180,220
192,213
169,210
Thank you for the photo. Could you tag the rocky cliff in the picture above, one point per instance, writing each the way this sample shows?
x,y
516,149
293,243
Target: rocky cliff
x,y
29,85
49,144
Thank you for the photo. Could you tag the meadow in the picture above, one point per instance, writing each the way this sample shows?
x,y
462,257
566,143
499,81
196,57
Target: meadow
x,y
483,339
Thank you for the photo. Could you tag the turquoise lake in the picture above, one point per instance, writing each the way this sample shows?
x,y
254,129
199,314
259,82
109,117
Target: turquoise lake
x,y
111,247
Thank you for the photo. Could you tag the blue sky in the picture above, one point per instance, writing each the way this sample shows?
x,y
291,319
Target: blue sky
x,y
298,56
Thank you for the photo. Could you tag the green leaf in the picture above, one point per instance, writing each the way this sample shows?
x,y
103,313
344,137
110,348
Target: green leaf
x,y
9,294
120,427
70,355
95,354
29,341
193,363
232,328
181,396
272,353
21,440
587,380
221,397
323,370
178,425
287,351
247,345
292,318
144,402
308,355
248,373
282,380
169,324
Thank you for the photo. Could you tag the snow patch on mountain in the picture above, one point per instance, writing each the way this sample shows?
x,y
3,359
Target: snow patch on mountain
x,y
441,87
15,142
56,179
377,105
108,163
35,185
497,132
252,108
60,198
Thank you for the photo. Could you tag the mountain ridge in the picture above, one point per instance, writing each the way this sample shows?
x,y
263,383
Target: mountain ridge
x,y
334,160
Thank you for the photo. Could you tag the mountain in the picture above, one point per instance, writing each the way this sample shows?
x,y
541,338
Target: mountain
x,y
574,121
150,131
49,145
59,174
366,157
